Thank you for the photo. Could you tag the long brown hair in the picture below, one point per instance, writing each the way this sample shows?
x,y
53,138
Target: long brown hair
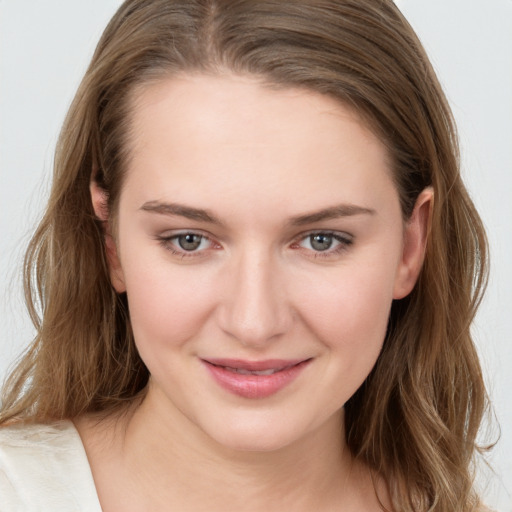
x,y
416,417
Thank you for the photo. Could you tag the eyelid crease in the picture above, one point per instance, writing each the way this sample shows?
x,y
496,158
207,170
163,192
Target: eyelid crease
x,y
339,235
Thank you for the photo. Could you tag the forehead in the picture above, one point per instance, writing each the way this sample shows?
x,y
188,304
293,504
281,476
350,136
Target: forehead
x,y
215,99
225,135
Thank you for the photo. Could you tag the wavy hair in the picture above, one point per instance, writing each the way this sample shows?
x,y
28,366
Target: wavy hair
x,y
416,417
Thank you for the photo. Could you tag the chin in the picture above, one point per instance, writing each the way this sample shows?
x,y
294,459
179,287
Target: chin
x,y
251,434
255,442
263,432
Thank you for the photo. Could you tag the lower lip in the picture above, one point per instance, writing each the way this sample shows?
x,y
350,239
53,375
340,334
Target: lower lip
x,y
255,386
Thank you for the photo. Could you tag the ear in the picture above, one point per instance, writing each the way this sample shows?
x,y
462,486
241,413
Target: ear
x,y
99,199
414,244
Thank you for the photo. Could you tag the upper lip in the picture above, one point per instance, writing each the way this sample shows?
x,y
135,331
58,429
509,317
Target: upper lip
x,y
255,366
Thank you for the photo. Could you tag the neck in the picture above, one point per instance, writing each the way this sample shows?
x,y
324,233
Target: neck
x,y
192,465
162,461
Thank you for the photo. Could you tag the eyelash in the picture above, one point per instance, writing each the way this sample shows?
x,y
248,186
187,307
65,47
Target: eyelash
x,y
167,243
344,242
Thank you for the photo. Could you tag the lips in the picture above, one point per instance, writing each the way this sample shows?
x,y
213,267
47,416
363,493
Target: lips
x,y
254,379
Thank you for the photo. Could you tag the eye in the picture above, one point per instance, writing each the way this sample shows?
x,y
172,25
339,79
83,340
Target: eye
x,y
187,244
324,243
321,241
190,241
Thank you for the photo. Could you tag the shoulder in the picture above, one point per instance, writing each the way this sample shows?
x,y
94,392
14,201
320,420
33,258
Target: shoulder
x,y
44,467
21,436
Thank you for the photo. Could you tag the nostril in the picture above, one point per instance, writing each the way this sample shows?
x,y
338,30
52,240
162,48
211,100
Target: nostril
x,y
254,324
253,307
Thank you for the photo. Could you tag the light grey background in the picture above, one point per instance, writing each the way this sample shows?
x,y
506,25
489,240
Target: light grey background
x,y
45,47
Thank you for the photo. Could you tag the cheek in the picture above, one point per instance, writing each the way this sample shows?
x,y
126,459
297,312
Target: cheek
x,y
349,319
353,311
168,304
349,314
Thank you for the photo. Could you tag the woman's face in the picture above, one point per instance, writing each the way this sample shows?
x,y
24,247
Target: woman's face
x,y
260,244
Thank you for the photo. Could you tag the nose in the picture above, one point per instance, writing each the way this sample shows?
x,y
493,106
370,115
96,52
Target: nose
x,y
255,309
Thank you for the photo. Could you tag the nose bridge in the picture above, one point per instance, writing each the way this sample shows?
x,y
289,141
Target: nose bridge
x,y
255,309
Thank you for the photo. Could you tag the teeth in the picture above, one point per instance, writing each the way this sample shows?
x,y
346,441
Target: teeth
x,y
242,371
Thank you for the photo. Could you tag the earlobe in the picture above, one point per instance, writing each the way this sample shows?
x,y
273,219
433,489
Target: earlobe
x,y
99,198
415,238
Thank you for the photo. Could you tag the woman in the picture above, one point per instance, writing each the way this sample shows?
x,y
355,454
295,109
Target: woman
x,y
257,272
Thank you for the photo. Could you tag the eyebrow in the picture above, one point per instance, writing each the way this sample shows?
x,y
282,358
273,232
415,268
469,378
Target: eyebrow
x,y
334,212
180,210
198,214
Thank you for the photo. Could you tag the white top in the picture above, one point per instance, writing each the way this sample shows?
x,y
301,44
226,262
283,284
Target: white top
x,y
44,468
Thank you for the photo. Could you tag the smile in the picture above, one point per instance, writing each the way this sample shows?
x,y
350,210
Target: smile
x,y
254,379
242,371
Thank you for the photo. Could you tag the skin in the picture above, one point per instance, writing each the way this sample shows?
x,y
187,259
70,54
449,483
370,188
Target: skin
x,y
262,163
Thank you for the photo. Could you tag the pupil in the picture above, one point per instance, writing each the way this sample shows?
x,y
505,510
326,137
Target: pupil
x,y
321,242
189,242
